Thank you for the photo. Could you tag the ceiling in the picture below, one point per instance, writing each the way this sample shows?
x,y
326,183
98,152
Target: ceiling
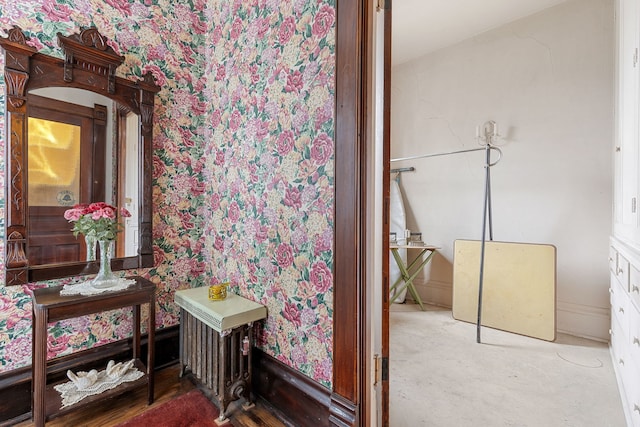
x,y
423,26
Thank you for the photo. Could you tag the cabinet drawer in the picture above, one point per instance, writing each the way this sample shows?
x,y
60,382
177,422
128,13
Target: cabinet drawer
x,y
620,363
613,257
620,309
633,341
634,286
631,383
618,344
622,272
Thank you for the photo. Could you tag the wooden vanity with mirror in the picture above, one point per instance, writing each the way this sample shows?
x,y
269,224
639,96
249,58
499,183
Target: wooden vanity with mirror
x,y
109,119
75,133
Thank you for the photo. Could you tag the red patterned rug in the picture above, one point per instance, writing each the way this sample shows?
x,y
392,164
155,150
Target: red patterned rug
x,y
192,409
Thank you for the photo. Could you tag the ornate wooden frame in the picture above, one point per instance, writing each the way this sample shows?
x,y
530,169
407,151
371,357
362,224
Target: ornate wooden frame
x,y
89,63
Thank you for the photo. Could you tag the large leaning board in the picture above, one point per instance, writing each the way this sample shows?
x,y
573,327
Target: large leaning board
x,y
519,286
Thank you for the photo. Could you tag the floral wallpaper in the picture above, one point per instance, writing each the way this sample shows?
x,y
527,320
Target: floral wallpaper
x,y
269,169
242,167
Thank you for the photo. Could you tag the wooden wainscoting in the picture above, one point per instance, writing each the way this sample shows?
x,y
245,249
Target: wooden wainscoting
x,y
295,398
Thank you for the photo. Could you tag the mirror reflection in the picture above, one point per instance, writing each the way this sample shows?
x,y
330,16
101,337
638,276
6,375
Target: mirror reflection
x,y
82,148
54,162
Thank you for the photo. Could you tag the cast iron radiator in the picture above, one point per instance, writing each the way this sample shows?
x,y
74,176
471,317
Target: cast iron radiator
x,y
221,362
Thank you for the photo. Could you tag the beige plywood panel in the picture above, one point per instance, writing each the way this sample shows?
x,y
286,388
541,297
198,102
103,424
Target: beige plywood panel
x,y
519,286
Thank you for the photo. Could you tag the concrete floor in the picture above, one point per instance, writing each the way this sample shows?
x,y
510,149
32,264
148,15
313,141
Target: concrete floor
x,y
440,376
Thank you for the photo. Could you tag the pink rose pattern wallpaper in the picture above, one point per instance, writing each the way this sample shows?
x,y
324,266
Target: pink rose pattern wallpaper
x,y
243,163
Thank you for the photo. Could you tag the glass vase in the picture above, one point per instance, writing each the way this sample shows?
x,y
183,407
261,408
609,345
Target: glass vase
x,y
105,277
90,242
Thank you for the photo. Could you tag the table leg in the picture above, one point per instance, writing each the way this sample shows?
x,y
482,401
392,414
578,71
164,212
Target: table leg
x,y
39,366
414,294
151,346
409,280
403,275
416,272
396,294
416,265
136,331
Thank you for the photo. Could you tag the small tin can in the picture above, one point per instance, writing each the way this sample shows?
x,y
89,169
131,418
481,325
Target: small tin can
x,y
218,292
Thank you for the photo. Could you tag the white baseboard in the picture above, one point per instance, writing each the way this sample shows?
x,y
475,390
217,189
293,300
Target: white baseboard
x,y
583,321
435,292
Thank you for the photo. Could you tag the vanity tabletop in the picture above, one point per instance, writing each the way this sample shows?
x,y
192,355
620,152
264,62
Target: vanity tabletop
x,y
66,306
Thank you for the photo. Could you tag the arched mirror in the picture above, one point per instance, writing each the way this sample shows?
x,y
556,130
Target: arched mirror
x,y
75,133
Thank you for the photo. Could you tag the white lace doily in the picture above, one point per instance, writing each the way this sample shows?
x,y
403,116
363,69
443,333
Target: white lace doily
x,y
86,287
71,395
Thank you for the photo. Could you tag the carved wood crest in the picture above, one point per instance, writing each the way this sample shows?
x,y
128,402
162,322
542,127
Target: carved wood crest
x,y
89,50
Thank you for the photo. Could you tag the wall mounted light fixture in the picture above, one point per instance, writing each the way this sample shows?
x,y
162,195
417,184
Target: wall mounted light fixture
x,y
488,133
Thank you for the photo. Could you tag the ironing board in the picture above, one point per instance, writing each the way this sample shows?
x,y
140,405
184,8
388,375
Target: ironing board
x,y
409,272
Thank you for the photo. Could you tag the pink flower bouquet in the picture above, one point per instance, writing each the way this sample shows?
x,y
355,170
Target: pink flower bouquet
x,y
97,220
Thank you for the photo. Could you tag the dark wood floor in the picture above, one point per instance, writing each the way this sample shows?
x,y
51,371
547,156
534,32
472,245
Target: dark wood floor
x,y
168,385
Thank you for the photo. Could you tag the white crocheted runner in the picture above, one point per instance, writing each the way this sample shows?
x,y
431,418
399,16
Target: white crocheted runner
x,y
71,395
86,288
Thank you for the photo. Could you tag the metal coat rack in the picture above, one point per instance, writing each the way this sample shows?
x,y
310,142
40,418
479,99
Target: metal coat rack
x,y
487,136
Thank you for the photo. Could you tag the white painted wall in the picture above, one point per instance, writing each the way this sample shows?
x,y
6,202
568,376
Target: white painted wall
x,y
547,80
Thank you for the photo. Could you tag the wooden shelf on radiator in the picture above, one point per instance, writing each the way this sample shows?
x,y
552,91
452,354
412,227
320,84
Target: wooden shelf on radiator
x,y
222,315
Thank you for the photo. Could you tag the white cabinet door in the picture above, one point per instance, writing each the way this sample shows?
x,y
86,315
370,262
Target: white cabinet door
x,y
626,146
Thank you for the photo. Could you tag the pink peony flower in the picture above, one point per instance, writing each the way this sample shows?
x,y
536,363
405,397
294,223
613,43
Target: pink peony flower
x,y
55,346
121,6
284,255
72,214
321,149
97,219
323,21
293,198
285,143
287,29
291,313
294,82
321,276
56,12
